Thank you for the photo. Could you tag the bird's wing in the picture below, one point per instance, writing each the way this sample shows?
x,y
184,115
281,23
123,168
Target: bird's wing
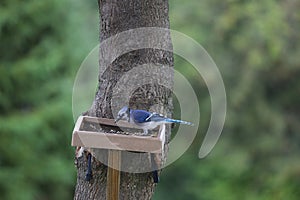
x,y
155,117
140,116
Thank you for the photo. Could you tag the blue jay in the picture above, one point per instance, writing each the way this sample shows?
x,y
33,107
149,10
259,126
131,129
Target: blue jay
x,y
146,120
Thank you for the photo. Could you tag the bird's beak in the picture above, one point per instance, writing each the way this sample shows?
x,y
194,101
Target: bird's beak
x,y
118,119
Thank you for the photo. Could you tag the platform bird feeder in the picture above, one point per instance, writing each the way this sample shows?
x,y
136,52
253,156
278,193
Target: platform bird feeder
x,y
103,133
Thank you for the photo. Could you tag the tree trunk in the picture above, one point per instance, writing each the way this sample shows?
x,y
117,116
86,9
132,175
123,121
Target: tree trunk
x,y
117,16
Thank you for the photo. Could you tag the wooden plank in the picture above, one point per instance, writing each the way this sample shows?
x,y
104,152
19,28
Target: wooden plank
x,y
110,122
113,175
117,141
76,141
162,136
79,123
75,137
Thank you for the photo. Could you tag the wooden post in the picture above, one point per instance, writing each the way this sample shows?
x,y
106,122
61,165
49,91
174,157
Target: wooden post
x,y
113,175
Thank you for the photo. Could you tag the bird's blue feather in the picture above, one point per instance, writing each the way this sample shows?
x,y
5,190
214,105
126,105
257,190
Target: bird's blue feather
x,y
140,116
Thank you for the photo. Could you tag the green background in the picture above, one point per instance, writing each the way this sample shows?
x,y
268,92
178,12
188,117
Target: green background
x,y
256,46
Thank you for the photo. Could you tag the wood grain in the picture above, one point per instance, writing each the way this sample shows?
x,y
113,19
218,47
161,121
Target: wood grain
x,y
113,175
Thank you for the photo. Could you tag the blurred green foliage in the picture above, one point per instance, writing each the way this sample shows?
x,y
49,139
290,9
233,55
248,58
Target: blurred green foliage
x,y
42,45
256,46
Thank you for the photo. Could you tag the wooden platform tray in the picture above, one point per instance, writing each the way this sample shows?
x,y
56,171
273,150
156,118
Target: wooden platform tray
x,y
93,132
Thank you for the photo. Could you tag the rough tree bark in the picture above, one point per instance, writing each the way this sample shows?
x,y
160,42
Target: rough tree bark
x,y
117,16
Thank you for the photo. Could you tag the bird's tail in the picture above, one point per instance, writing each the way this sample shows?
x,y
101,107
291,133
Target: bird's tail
x,y
178,122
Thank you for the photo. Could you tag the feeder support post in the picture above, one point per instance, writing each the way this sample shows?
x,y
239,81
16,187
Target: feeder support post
x,y
113,175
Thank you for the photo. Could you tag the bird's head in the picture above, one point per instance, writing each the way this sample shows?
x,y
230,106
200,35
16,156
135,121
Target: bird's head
x,y
123,114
